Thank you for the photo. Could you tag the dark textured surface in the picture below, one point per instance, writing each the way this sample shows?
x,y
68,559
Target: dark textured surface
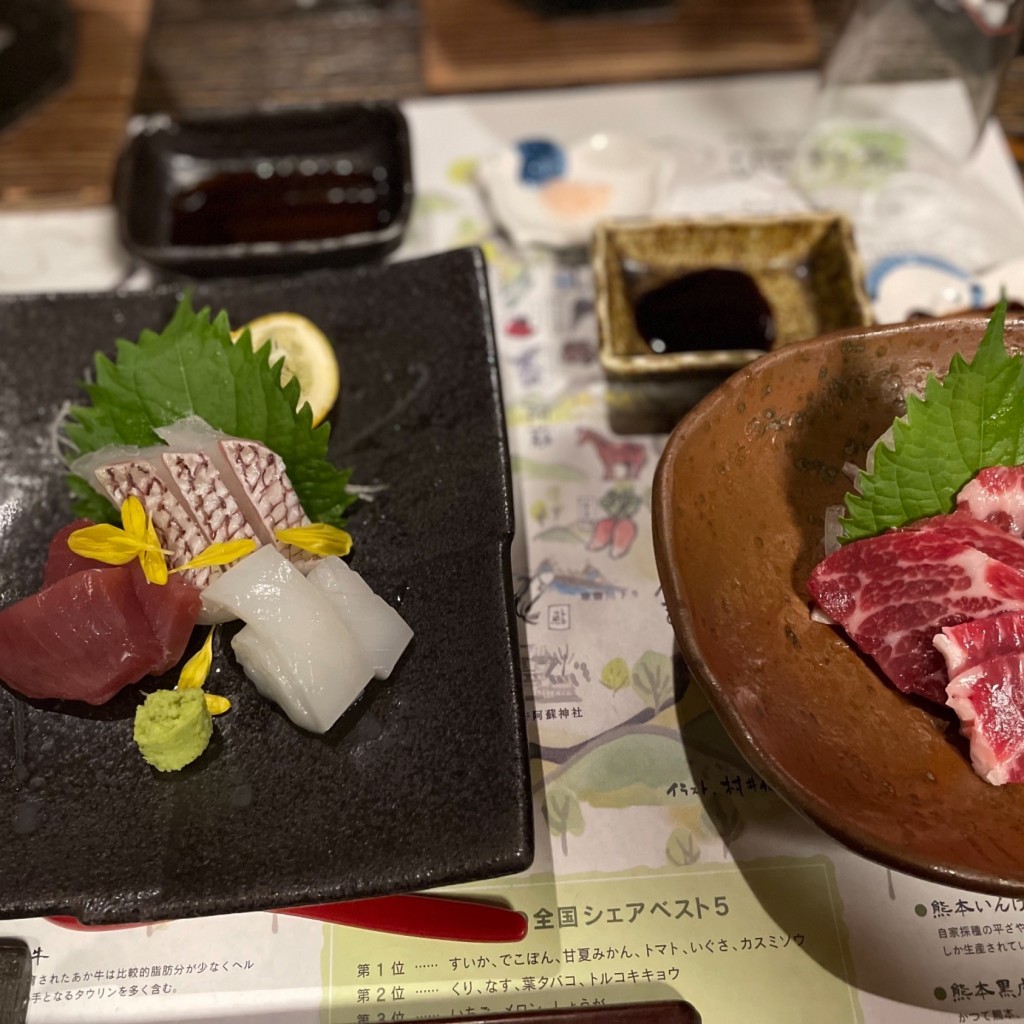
x,y
425,781
739,503
37,55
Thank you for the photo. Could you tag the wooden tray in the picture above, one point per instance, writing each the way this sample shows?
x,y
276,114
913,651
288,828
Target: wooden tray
x,y
63,152
471,45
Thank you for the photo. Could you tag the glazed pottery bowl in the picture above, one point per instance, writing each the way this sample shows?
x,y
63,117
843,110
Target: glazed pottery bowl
x,y
804,265
739,503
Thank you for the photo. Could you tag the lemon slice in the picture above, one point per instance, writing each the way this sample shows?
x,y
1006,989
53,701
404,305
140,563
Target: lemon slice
x,y
307,354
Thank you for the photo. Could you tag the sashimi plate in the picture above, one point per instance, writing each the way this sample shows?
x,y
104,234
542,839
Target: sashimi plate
x,y
739,504
425,780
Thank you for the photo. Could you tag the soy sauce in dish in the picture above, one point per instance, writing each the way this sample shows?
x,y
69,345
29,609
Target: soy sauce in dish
x,y
267,204
713,308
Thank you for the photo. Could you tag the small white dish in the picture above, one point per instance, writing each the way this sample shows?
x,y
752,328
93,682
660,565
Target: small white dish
x,y
548,195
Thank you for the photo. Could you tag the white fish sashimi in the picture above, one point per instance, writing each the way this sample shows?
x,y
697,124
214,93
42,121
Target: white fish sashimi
x,y
201,487
381,632
254,475
299,648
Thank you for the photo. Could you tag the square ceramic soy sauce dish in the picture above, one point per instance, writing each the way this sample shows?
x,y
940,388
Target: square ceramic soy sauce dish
x,y
270,191
703,297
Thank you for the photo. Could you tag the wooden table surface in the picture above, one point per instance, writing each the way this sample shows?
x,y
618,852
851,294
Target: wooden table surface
x,y
222,54
225,54
199,56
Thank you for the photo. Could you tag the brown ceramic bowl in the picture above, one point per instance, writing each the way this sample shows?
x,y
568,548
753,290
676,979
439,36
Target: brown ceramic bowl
x,y
739,499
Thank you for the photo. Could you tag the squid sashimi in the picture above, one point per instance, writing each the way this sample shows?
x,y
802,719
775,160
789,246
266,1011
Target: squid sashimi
x,y
296,647
381,632
91,633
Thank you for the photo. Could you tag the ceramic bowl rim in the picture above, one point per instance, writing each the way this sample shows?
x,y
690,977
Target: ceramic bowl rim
x,y
824,816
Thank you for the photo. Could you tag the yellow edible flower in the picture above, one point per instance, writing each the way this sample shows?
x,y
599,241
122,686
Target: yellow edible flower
x,y
318,539
138,539
194,673
219,554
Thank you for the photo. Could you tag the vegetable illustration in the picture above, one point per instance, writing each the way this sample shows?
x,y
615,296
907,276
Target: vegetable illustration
x,y
618,529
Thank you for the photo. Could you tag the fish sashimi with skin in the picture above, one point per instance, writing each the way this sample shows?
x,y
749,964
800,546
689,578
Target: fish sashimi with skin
x,y
201,487
91,633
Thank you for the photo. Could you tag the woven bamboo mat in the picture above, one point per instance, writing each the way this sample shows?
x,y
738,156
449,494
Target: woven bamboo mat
x,y
63,152
471,45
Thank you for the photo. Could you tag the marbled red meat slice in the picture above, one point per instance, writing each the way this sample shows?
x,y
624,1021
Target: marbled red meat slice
x,y
985,663
996,495
970,644
88,635
989,701
987,537
892,593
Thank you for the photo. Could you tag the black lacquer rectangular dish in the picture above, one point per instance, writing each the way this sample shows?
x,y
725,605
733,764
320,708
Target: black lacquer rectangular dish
x,y
273,191
425,780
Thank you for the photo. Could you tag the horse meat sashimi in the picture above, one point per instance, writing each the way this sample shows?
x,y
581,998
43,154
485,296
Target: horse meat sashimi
x,y
87,635
985,661
894,592
996,495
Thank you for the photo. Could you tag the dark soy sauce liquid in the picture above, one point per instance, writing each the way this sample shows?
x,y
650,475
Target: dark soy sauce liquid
x,y
247,206
705,309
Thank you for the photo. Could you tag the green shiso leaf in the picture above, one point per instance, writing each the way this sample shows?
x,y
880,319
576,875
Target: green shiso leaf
x,y
972,418
193,368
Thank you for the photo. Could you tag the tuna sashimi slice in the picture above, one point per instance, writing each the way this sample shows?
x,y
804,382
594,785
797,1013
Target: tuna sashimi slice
x,y
90,634
893,593
61,561
996,495
172,611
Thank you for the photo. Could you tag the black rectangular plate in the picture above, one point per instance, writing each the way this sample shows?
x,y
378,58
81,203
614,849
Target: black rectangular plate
x,y
425,781
262,169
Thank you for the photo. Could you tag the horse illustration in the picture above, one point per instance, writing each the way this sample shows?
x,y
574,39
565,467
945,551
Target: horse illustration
x,y
631,456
